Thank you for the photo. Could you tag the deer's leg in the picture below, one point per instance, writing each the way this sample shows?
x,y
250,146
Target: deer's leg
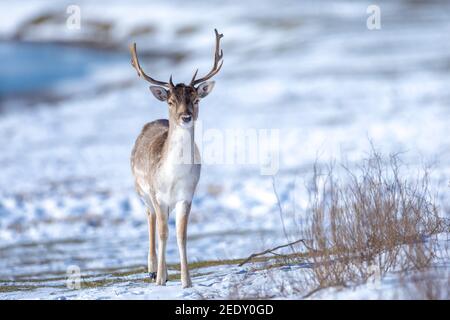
x,y
162,215
183,209
152,261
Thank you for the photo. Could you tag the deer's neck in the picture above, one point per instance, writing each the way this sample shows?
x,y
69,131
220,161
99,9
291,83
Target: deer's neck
x,y
180,145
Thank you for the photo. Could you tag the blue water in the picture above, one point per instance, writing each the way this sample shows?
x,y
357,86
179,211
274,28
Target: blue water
x,y
28,67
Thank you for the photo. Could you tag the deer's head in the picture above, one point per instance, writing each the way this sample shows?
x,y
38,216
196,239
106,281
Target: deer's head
x,y
182,99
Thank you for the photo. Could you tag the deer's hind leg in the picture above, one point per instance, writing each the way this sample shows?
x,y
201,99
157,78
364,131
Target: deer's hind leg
x,y
152,260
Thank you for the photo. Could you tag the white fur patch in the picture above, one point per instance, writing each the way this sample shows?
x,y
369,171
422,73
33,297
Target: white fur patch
x,y
178,177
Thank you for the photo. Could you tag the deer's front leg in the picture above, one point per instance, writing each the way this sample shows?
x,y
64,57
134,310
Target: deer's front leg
x,y
183,209
152,261
162,215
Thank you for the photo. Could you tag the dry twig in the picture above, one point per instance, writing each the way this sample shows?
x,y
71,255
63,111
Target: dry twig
x,y
271,251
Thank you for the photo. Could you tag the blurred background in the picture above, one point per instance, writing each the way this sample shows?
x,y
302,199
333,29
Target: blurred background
x,y
71,107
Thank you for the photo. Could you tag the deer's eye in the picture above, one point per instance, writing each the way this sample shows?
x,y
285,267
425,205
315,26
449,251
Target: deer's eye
x,y
171,104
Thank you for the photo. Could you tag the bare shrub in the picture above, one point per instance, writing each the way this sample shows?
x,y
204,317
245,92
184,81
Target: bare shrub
x,y
369,220
362,223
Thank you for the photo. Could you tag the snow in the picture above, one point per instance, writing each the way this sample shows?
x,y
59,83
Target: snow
x,y
310,70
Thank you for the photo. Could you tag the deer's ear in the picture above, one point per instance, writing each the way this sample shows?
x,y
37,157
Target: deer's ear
x,y
159,92
205,88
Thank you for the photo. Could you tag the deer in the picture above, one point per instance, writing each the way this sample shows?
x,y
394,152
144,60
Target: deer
x,y
166,164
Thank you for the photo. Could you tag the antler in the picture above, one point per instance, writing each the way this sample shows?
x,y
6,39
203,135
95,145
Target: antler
x,y
141,73
218,55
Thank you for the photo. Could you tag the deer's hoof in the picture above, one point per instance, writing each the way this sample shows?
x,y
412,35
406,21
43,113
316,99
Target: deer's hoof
x,y
186,284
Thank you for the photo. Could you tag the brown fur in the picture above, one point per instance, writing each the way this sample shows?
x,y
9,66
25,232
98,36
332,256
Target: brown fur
x,y
184,99
148,149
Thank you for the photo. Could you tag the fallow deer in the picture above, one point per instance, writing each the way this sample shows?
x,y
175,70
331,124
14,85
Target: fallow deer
x,y
165,162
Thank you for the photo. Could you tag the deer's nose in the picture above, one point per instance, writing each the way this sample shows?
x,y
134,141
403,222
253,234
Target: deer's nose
x,y
186,118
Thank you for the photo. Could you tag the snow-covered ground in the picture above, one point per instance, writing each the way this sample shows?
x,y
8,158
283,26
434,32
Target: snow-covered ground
x,y
309,69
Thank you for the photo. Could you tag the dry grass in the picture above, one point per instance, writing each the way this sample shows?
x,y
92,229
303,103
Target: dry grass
x,y
362,223
370,220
